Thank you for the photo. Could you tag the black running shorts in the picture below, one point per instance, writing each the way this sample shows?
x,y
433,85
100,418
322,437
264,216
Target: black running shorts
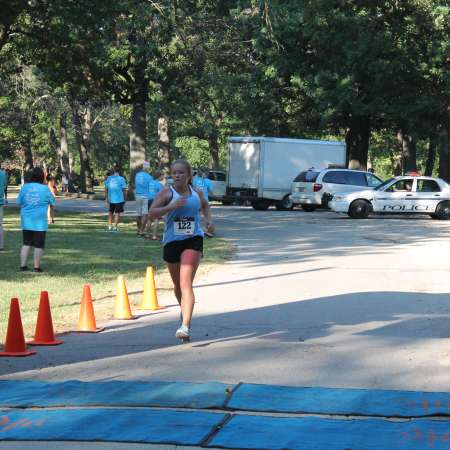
x,y
172,251
34,238
116,207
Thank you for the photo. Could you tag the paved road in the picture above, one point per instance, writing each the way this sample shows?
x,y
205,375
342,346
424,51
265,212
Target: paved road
x,y
310,299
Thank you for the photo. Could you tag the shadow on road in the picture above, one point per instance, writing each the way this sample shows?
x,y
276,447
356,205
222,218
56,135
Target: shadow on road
x,y
394,317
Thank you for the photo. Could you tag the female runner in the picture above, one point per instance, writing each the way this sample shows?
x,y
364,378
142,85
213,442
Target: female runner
x,y
180,203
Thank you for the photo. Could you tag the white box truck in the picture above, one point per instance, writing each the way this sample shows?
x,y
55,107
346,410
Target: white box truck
x,y
261,169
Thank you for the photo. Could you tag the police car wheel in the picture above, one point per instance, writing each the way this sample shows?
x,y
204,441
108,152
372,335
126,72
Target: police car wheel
x,y
443,211
359,209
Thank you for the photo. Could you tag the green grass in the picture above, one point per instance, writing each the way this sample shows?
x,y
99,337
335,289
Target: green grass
x,y
79,251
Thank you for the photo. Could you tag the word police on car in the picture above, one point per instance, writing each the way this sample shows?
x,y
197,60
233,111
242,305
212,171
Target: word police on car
x,y
413,194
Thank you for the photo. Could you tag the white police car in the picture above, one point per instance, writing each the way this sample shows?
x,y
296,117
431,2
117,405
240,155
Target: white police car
x,y
410,194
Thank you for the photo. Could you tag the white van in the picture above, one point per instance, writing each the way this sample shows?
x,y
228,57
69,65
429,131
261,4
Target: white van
x,y
219,184
218,180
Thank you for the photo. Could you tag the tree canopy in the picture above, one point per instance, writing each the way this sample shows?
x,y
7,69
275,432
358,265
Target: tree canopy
x,y
84,85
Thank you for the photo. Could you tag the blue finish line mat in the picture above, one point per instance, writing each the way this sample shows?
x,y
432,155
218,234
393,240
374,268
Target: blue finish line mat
x,y
312,433
244,397
109,425
113,393
241,432
364,402
120,411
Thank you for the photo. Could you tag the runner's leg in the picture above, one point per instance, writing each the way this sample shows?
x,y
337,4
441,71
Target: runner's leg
x,y
189,261
174,270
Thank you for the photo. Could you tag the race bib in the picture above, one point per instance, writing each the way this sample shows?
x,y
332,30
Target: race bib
x,y
183,226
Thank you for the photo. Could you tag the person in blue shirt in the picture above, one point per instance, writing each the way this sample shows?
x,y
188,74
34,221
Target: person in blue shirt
x,y
3,183
155,186
180,204
203,184
141,183
115,190
34,199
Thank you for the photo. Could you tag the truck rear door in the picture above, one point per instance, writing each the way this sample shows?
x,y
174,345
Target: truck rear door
x,y
243,164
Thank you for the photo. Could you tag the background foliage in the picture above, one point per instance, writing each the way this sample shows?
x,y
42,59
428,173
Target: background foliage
x,y
84,85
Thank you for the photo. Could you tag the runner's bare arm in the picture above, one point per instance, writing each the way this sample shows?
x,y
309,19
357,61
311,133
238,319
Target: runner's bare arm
x,y
161,206
206,211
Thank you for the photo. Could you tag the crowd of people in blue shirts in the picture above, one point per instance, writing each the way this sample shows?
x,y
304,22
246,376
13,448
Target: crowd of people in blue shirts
x,y
147,187
183,204
36,199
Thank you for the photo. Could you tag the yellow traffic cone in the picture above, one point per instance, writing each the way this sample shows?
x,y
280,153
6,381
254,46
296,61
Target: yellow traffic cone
x,y
149,297
122,310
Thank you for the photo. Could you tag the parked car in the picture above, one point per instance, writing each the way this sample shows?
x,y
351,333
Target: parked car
x,y
219,184
313,188
399,195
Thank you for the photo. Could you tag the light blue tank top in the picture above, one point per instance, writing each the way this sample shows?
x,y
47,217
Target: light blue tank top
x,y
183,223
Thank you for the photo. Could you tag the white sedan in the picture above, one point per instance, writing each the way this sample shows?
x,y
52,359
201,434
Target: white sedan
x,y
399,195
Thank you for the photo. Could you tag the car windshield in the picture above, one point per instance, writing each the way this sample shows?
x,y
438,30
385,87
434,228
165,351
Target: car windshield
x,y
382,185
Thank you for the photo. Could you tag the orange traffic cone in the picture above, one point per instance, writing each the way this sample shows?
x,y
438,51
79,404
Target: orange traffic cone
x,y
44,334
15,340
122,310
149,297
87,324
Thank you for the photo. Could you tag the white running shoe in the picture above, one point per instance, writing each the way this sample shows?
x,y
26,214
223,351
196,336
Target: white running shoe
x,y
182,332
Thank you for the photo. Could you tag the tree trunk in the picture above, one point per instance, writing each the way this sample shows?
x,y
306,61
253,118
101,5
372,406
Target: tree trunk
x,y
444,153
409,150
214,151
64,161
54,145
164,155
86,184
28,156
138,122
431,157
357,140
87,133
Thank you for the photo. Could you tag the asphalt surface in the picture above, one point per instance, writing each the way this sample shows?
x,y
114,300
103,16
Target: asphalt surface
x,y
309,299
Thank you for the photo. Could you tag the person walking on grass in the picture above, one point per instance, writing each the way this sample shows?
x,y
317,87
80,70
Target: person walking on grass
x,y
202,183
51,183
115,193
155,186
141,182
3,184
64,184
181,203
34,199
